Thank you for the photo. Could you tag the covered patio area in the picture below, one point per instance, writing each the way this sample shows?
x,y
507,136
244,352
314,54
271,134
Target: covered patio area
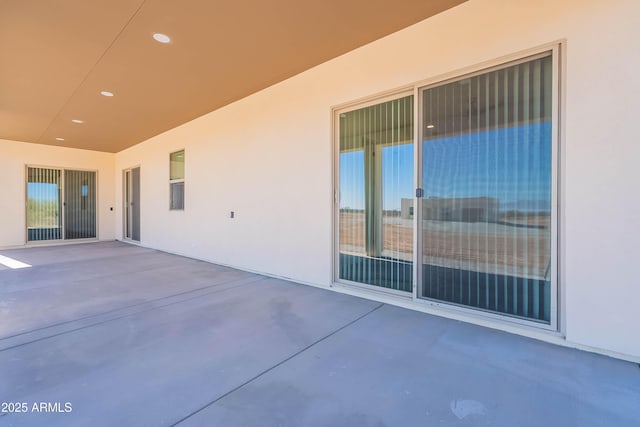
x,y
116,334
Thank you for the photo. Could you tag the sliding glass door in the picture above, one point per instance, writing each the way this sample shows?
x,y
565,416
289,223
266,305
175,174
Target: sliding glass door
x,y
375,182
481,199
487,177
61,204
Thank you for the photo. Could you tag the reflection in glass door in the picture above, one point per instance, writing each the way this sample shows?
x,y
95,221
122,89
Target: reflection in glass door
x,y
375,233
487,176
44,204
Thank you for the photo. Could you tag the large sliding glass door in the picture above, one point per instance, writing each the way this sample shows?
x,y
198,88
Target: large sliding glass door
x,y
375,180
487,177
484,208
61,204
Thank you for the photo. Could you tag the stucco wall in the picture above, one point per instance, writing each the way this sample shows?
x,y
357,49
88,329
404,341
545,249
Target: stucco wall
x,y
268,157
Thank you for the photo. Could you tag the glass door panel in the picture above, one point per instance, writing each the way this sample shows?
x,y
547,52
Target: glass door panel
x,y
375,183
487,179
44,206
80,204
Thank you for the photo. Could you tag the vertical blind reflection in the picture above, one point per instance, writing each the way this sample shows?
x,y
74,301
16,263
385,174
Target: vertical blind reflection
x,y
376,175
487,180
80,204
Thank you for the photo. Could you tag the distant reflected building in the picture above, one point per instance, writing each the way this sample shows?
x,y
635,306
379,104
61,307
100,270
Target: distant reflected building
x,y
464,209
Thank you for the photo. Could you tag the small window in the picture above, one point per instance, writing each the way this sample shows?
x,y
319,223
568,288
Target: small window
x,y
176,180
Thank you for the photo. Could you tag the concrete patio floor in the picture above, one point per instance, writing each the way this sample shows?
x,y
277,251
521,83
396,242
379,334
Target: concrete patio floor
x,y
136,337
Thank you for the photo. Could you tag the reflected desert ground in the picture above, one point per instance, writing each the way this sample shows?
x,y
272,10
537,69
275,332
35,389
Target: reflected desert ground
x,y
516,245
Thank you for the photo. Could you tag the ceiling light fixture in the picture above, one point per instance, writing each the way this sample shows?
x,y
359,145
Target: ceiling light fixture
x,y
77,121
162,38
430,126
59,139
106,93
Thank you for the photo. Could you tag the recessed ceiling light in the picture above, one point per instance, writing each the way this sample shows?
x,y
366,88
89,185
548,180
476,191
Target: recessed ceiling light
x,y
59,139
162,38
430,126
106,93
77,121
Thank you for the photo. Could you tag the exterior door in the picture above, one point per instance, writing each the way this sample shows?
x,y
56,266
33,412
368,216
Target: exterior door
x,y
61,204
132,204
472,225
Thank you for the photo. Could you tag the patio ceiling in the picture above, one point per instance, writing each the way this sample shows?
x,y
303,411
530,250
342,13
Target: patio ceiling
x,y
58,55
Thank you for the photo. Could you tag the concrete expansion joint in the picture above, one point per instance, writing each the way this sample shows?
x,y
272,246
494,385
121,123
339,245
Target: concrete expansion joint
x,y
74,325
282,362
